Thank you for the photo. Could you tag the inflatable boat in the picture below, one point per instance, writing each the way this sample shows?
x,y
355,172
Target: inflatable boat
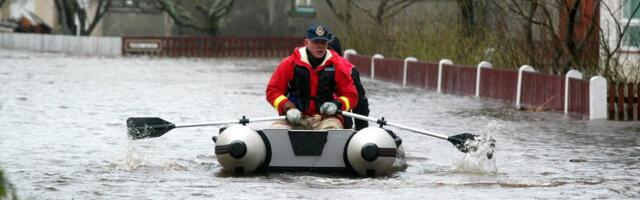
x,y
369,152
372,151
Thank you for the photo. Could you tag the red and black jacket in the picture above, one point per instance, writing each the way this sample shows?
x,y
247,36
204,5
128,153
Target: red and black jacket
x,y
294,80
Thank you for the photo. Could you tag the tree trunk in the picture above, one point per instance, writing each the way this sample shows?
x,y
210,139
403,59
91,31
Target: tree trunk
x,y
531,47
569,37
467,15
68,10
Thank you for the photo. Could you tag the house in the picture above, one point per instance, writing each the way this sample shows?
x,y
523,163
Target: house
x,y
245,18
144,18
21,16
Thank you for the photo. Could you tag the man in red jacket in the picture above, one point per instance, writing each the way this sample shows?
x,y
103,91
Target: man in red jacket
x,y
311,84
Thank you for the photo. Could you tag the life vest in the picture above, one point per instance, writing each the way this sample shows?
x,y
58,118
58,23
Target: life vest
x,y
299,87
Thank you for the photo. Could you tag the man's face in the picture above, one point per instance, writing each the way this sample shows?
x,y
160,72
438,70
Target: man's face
x,y
317,47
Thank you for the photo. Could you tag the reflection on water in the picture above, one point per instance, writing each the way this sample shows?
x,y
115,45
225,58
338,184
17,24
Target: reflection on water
x,y
65,138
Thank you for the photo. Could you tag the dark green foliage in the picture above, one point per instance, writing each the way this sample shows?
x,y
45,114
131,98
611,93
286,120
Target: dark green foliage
x,y
6,188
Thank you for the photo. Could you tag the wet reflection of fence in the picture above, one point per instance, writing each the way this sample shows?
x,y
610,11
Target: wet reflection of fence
x,y
624,101
211,46
526,88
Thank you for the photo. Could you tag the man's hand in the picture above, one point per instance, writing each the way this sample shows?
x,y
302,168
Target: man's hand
x,y
294,116
328,108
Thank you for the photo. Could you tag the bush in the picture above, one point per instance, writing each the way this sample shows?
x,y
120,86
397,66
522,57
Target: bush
x,y
6,188
431,42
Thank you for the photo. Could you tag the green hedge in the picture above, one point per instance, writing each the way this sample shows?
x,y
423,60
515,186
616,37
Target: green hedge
x,y
6,188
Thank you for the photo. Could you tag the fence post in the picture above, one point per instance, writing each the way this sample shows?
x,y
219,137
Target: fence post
x,y
570,74
522,69
404,70
440,64
483,64
348,52
373,64
598,98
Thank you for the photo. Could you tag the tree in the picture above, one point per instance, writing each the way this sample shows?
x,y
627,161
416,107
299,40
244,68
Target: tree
x,y
378,12
612,61
343,15
68,10
467,16
385,9
560,32
569,34
203,16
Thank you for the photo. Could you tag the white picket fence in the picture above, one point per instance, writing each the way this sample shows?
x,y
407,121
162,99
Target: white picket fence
x,y
76,45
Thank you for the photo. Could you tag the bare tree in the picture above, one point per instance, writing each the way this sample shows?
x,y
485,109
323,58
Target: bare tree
x,y
203,16
567,34
384,10
344,15
467,15
538,25
68,10
370,16
612,60
555,23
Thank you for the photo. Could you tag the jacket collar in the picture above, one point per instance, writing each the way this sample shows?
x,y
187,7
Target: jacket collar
x,y
302,53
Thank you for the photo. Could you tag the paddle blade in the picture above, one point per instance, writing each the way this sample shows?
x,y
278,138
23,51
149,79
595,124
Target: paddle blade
x,y
467,142
147,127
460,141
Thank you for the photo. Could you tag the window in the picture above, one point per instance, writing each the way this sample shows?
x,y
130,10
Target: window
x,y
631,40
304,8
303,3
134,6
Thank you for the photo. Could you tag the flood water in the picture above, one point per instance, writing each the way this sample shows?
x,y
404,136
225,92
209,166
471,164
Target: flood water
x,y
63,136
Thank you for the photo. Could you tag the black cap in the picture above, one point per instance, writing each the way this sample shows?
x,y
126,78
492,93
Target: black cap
x,y
318,32
334,44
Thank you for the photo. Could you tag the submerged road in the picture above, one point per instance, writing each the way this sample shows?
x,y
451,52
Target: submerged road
x,y
63,136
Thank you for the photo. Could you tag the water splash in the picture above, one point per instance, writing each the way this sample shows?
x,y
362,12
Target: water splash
x,y
130,158
322,181
174,166
481,158
400,164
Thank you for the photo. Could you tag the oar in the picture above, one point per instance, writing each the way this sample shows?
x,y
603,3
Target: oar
x,y
150,127
463,142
